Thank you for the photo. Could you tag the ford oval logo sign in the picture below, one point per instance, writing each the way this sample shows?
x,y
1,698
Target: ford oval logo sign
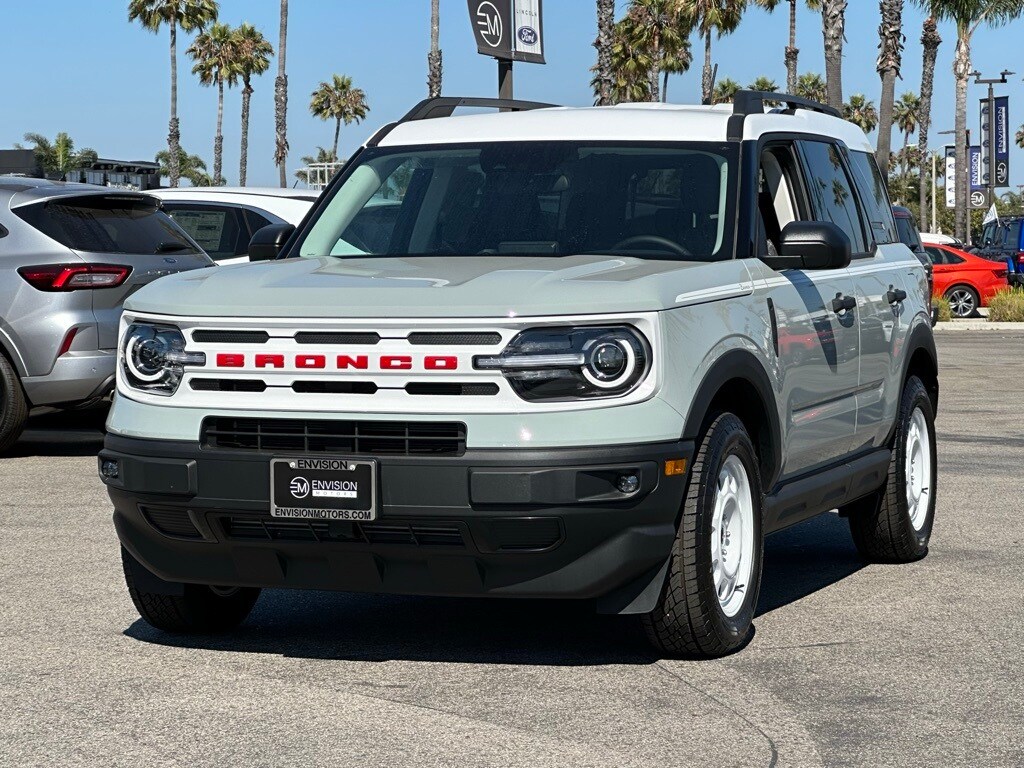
x,y
528,35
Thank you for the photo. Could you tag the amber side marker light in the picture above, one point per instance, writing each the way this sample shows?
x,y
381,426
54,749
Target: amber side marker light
x,y
675,467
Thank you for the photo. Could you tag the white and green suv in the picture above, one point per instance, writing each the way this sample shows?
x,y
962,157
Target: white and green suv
x,y
567,353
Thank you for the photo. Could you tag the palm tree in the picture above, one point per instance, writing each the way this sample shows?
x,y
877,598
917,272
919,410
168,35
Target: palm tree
x,y
833,27
906,113
792,52
192,167
337,99
58,158
216,63
631,65
322,157
811,85
765,84
861,112
930,42
1020,137
190,15
890,58
252,57
659,29
725,90
711,17
281,101
603,77
434,57
967,16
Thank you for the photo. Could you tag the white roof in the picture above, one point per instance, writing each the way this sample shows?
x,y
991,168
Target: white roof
x,y
281,206
217,191
623,122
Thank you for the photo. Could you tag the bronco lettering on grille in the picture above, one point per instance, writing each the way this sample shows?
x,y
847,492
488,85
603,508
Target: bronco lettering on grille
x,y
340,362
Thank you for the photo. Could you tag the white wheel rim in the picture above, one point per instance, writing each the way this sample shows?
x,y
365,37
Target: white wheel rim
x,y
918,469
732,535
961,302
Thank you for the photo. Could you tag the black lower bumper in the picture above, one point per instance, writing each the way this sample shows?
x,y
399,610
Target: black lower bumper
x,y
516,523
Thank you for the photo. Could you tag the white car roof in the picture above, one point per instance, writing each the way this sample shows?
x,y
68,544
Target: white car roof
x,y
287,205
623,122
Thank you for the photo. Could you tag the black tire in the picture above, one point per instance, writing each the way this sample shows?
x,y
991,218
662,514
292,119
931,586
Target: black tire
x,y
13,406
199,610
689,619
881,524
974,298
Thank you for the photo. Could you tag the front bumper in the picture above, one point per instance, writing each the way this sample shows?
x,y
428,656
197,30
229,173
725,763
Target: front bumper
x,y
77,377
514,523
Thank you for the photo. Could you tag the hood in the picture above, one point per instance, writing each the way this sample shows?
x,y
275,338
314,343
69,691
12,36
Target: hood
x,y
471,286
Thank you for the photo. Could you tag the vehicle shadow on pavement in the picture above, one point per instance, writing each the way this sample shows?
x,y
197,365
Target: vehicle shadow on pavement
x,y
63,433
356,627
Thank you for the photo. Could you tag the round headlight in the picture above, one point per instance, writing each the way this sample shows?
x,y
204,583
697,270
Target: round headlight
x,y
153,357
611,361
607,360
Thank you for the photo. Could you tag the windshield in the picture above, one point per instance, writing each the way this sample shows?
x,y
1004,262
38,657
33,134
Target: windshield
x,y
108,224
908,234
666,201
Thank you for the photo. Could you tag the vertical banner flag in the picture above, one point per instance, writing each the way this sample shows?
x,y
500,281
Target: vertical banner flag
x,y
1002,140
977,197
985,143
949,172
529,38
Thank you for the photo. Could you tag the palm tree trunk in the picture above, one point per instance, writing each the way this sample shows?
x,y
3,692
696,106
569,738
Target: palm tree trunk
x,y
833,20
930,41
707,86
792,52
243,162
903,176
890,47
603,43
664,88
961,71
173,129
281,101
218,137
337,132
434,57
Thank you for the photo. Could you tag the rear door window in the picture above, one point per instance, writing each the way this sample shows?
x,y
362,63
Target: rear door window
x,y
831,191
217,228
874,196
108,224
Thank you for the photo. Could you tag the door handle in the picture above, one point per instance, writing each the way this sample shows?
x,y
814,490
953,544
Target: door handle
x,y
843,303
895,295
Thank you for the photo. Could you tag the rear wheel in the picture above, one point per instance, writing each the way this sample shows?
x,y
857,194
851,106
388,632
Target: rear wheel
x,y
196,609
895,525
13,407
706,607
963,301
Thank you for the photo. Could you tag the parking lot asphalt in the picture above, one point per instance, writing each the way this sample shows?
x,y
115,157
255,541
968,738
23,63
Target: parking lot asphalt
x,y
850,664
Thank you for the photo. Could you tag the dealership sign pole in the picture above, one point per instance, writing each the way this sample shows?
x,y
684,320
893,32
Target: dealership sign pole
x,y
995,140
509,31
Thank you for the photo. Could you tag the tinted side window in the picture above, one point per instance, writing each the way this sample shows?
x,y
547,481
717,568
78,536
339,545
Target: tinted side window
x,y
988,234
874,196
831,192
254,221
937,255
101,224
908,233
216,228
1013,236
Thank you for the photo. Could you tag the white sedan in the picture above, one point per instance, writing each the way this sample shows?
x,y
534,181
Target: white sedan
x,y
223,219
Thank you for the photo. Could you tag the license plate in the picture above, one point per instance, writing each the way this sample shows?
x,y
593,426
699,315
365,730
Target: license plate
x,y
323,489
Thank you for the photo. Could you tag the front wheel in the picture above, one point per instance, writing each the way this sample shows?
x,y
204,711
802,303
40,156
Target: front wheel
x,y
187,608
895,524
706,607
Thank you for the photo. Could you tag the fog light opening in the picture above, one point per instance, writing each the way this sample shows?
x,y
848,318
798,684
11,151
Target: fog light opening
x,y
628,484
110,469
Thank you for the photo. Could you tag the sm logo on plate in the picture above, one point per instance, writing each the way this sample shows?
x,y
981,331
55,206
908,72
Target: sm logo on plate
x,y
299,487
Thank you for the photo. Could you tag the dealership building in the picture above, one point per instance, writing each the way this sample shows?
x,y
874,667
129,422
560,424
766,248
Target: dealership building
x,y
120,174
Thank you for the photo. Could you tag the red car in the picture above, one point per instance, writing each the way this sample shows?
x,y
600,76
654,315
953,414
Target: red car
x,y
968,281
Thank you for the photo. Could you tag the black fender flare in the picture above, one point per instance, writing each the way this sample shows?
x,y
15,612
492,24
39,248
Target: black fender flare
x,y
921,337
743,365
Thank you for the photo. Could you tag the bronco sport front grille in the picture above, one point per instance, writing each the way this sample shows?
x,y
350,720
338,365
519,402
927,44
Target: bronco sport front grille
x,y
416,534
350,438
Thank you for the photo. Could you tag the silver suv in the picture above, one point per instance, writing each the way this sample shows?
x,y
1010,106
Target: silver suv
x,y
590,353
69,256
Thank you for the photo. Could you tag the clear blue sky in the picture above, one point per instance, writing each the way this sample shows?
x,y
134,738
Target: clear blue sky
x,y
79,66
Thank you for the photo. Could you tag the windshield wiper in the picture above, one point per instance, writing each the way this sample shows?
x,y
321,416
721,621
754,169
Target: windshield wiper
x,y
169,247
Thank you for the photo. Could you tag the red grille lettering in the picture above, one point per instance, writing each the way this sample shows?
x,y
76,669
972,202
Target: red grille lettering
x,y
442,363
270,361
230,361
396,363
310,361
359,362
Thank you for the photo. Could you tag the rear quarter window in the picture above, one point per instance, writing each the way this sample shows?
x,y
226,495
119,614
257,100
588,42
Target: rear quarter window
x,y
874,196
101,224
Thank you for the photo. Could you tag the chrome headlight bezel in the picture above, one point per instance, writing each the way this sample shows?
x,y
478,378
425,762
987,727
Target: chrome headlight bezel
x,y
152,357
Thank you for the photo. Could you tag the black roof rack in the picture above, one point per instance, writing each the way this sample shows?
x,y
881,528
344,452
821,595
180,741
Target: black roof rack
x,y
752,103
444,106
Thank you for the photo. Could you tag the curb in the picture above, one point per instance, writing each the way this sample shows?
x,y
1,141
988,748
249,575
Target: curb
x,y
978,325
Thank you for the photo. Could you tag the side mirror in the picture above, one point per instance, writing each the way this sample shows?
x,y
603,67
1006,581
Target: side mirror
x,y
269,241
812,245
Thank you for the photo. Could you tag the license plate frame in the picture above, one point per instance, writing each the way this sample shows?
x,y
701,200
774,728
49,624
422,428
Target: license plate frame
x,y
327,481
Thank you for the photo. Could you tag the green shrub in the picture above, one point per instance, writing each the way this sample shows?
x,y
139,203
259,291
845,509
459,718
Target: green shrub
x,y
1007,306
942,304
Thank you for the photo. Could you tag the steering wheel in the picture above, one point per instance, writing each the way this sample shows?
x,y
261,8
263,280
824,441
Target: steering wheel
x,y
661,243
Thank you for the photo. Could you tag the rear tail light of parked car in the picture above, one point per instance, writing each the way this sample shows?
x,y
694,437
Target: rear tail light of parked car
x,y
74,277
546,364
153,358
